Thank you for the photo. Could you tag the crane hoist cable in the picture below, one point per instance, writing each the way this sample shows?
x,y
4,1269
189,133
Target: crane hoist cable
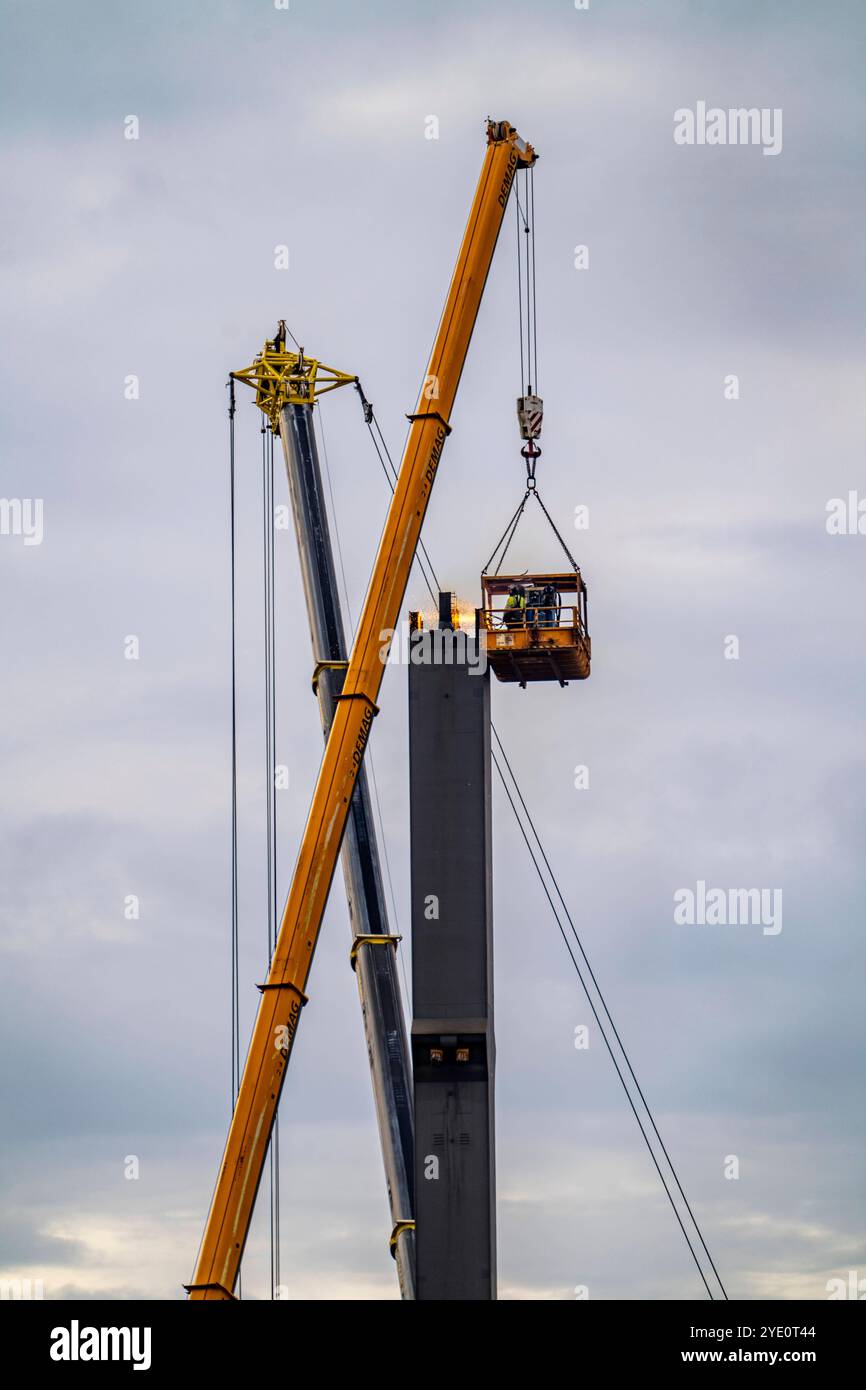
x,y
532,239
270,787
235,970
526,298
235,1042
369,416
529,404
270,804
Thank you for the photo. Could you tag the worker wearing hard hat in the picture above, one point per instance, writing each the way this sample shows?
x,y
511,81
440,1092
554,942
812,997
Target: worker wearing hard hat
x,y
549,610
515,606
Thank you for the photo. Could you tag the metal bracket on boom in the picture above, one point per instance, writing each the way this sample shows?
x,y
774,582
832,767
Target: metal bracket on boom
x,y
206,1288
321,666
358,695
431,415
399,1230
379,939
279,985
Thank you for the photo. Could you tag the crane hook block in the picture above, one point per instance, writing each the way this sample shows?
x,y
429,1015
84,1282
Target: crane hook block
x,y
529,412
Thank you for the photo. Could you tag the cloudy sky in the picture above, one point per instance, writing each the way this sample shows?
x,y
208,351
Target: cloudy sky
x,y
155,257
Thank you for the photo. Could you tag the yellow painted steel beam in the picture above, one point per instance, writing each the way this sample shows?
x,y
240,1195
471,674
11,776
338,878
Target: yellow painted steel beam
x,y
283,994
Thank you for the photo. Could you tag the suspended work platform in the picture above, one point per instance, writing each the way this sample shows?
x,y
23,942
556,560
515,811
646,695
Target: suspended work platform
x,y
535,626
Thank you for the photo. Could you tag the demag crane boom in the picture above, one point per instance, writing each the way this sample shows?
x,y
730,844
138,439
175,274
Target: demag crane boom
x,y
283,994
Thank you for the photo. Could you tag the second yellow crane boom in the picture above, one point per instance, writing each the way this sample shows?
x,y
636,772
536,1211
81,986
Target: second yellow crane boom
x,y
283,993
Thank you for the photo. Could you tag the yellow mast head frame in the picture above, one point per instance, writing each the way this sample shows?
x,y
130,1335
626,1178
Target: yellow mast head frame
x,y
282,378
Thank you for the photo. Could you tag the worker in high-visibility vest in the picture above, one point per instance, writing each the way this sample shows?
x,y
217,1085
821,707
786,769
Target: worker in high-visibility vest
x,y
515,607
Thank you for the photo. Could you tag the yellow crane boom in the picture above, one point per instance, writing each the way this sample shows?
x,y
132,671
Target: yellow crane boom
x,y
283,993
